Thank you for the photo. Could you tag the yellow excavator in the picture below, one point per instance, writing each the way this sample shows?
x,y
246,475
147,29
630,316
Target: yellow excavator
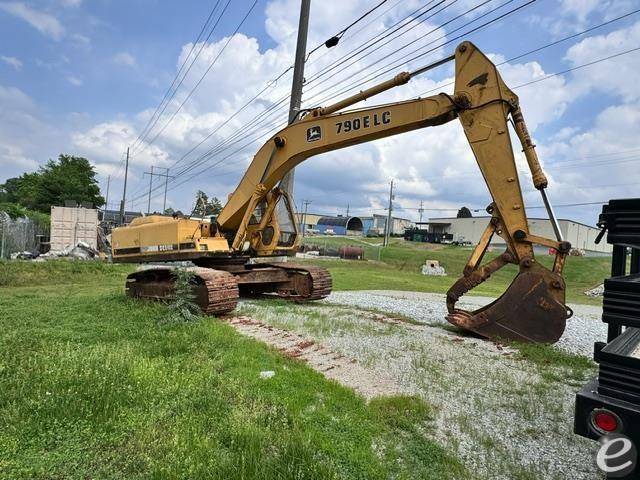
x,y
258,219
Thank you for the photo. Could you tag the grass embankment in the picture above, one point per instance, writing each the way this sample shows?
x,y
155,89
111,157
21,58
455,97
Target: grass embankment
x,y
92,386
400,262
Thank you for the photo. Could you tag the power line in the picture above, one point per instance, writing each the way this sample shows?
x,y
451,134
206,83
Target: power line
x,y
283,100
360,29
520,56
546,77
231,117
552,167
333,41
269,84
204,156
371,44
233,142
170,93
392,66
544,47
213,62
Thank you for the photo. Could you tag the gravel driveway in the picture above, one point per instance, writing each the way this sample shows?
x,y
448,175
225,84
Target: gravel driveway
x,y
505,417
583,329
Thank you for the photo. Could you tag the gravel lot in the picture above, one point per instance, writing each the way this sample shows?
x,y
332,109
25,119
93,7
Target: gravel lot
x,y
505,417
583,329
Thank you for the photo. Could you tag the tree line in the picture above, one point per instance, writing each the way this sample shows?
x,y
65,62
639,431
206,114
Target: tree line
x,y
67,178
72,178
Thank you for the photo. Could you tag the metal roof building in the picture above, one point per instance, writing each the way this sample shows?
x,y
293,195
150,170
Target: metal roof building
x,y
470,229
340,225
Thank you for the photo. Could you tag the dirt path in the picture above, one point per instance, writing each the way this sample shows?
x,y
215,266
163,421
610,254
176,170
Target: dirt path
x,y
332,365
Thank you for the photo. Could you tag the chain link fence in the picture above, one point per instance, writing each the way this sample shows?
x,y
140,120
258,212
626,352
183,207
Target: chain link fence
x,y
20,234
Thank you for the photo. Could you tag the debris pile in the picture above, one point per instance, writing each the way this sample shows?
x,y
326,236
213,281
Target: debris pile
x,y
23,256
80,251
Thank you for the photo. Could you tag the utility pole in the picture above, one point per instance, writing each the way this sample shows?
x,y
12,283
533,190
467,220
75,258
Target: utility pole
x,y
298,79
421,210
347,210
304,216
124,191
387,230
150,185
106,200
166,181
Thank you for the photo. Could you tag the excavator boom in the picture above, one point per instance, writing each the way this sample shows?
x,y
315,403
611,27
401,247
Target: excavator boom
x,y
533,308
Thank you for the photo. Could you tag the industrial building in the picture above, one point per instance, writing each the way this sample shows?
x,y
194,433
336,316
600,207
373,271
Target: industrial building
x,y
346,225
470,229
375,225
308,221
113,216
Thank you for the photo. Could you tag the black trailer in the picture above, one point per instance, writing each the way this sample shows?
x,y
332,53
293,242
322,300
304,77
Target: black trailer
x,y
416,234
610,403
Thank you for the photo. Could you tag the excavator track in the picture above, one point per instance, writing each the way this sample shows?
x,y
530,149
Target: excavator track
x,y
216,291
308,282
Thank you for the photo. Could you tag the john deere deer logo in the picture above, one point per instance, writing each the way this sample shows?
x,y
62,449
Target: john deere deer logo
x,y
314,133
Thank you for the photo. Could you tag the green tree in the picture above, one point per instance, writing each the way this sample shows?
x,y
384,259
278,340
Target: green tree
x,y
204,206
68,178
464,212
214,207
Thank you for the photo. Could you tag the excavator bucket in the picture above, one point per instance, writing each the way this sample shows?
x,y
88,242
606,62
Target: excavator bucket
x,y
531,310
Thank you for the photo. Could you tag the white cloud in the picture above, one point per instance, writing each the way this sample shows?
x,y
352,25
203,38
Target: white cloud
x,y
435,164
81,40
105,142
13,156
580,9
616,77
75,81
575,15
13,62
124,58
44,22
19,122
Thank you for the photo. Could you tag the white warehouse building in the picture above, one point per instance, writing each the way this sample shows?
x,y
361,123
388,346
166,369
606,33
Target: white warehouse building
x,y
470,229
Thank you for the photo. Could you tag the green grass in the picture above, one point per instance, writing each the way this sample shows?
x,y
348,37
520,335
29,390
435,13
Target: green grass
x,y
400,264
92,386
555,364
61,272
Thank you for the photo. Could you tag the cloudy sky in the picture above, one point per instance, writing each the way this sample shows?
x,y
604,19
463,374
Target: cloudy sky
x,y
87,77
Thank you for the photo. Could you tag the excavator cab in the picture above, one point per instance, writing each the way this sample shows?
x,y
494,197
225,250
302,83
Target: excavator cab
x,y
272,228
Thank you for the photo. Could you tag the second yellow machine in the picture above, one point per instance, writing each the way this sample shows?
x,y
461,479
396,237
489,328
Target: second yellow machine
x,y
258,219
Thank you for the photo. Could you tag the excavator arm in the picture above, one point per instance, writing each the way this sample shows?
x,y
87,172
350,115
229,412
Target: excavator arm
x,y
533,307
